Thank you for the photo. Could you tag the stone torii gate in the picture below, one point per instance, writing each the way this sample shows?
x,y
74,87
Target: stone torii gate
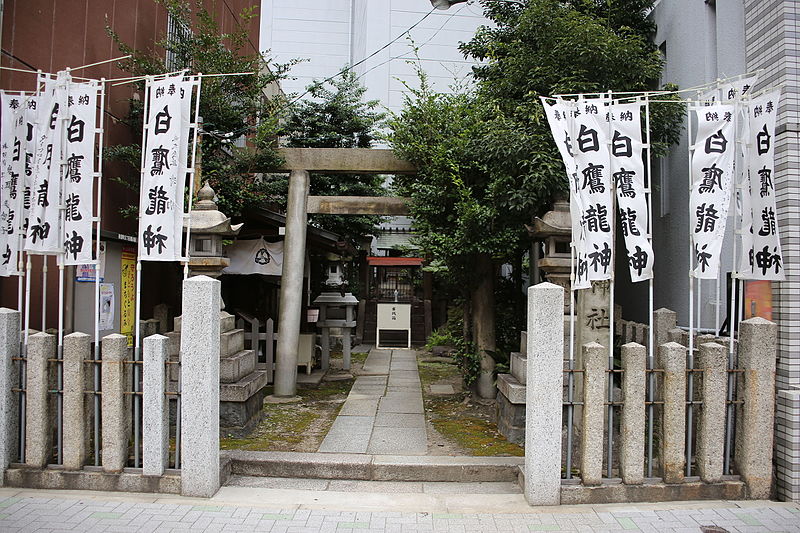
x,y
300,162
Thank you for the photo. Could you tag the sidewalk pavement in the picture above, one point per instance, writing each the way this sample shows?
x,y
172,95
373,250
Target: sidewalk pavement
x,y
297,511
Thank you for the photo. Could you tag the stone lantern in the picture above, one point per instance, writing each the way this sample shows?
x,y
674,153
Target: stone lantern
x,y
208,228
554,229
336,310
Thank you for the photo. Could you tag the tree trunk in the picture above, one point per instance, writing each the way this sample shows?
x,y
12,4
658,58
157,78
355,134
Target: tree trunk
x,y
483,324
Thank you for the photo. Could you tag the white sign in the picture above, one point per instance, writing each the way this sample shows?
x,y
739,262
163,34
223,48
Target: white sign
x,y
394,317
11,181
164,172
255,256
763,247
88,271
79,160
712,176
106,306
627,171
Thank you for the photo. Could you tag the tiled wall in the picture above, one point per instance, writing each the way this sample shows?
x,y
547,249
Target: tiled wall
x,y
771,44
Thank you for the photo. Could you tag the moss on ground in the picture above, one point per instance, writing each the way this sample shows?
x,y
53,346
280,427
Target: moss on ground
x,y
470,427
297,426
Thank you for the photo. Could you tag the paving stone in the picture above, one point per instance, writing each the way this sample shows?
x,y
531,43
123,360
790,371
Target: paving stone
x,y
399,420
359,407
442,389
398,441
400,404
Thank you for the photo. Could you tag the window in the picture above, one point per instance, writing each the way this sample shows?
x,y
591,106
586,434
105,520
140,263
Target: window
x,y
178,33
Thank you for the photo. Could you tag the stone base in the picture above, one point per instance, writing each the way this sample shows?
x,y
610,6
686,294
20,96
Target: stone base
x,y
92,478
652,492
511,420
241,415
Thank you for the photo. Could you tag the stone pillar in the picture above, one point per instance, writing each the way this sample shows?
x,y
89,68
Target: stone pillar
x,y
38,431
325,339
633,414
544,391
155,407
114,419
672,359
200,349
346,338
77,348
161,315
9,378
713,361
291,297
595,363
593,317
757,352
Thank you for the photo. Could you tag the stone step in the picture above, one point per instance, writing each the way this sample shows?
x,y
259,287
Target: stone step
x,y
377,487
242,390
234,367
519,367
511,388
342,466
231,342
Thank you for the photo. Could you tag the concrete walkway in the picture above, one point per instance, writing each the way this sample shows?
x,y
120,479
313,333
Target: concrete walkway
x,y
383,414
309,511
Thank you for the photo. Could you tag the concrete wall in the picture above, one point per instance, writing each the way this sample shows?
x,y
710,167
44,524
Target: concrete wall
x,y
701,43
332,33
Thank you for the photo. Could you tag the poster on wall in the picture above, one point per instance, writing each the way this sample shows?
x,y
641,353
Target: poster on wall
x,y
87,272
106,306
127,301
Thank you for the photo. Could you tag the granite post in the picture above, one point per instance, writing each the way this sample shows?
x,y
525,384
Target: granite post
x,y
155,407
633,413
200,349
595,363
38,432
544,391
291,297
758,341
9,378
713,361
115,424
77,348
672,359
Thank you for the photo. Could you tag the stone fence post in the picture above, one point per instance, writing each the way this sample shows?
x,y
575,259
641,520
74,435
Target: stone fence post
x,y
38,431
544,394
76,425
633,413
115,425
9,348
672,359
155,408
713,361
200,349
595,363
757,352
664,320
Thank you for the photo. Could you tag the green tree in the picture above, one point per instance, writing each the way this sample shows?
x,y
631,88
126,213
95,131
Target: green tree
x,y
487,161
336,116
231,106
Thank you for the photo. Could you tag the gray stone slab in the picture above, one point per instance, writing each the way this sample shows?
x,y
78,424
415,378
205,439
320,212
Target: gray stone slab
x,y
401,374
399,420
484,487
359,407
155,424
376,487
278,483
398,441
442,389
407,389
348,434
400,405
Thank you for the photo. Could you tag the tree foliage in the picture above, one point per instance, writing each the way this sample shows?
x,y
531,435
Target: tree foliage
x,y
336,116
487,161
231,106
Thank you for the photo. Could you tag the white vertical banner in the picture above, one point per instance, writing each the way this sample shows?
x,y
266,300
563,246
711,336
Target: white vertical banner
x,y
79,160
712,178
593,182
9,181
44,232
557,117
627,173
743,201
29,159
164,171
764,256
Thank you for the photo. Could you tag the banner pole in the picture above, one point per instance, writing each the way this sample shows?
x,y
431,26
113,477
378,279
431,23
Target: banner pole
x,y
192,170
691,249
650,333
